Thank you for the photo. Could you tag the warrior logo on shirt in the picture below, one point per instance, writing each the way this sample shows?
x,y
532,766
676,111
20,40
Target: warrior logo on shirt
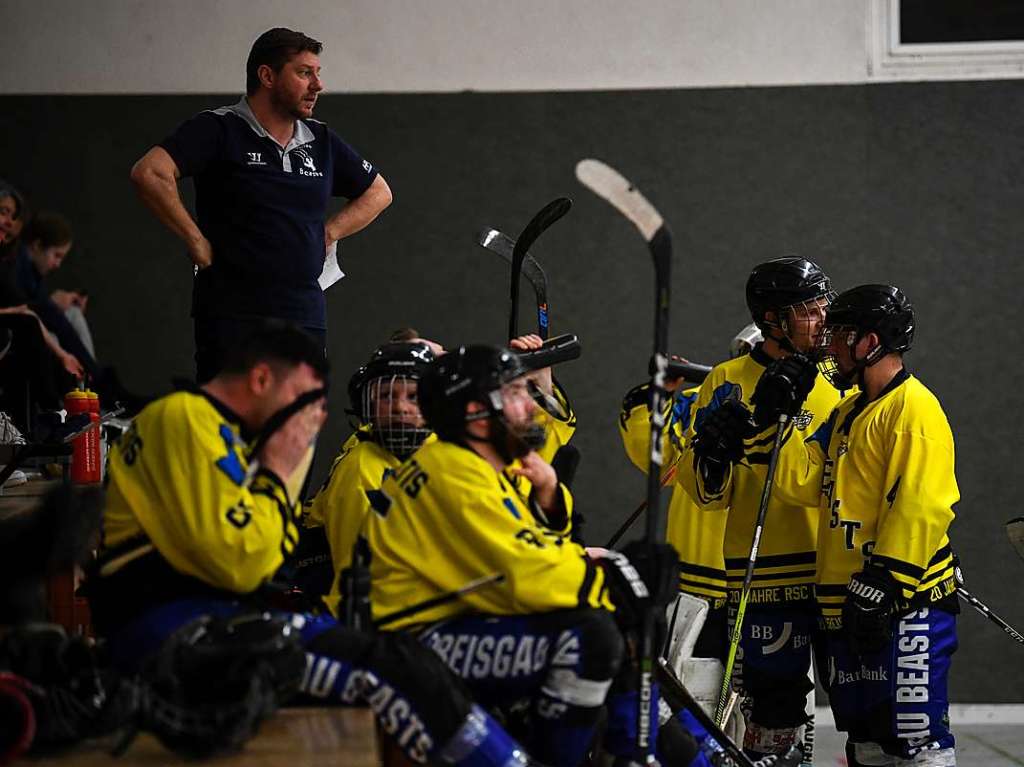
x,y
308,167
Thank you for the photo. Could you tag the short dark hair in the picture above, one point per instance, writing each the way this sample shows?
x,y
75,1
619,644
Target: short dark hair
x,y
273,48
47,228
404,334
278,343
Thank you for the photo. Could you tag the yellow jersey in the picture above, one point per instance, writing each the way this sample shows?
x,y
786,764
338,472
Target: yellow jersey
x,y
882,473
446,517
695,533
785,568
176,484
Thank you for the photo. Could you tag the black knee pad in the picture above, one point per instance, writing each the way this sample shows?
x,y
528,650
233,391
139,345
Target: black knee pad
x,y
342,643
675,744
439,696
777,701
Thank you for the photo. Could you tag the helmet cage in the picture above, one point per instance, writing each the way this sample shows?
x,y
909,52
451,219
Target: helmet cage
x,y
398,428
850,336
791,316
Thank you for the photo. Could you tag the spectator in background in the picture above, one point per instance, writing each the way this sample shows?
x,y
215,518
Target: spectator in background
x,y
35,370
11,207
45,242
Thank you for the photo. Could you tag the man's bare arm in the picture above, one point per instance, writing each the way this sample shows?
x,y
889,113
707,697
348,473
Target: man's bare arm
x,y
155,177
358,213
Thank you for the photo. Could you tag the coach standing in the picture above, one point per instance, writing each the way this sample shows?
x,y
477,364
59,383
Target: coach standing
x,y
263,173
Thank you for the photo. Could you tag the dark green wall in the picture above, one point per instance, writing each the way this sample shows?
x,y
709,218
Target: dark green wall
x,y
915,184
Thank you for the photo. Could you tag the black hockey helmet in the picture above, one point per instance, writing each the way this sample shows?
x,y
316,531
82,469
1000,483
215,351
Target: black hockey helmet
x,y
396,358
391,364
880,309
216,678
783,282
467,374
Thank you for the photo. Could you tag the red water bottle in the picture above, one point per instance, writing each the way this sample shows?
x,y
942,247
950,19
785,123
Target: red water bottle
x,y
85,456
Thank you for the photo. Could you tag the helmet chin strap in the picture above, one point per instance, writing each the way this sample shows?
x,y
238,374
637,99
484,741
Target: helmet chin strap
x,y
783,340
873,356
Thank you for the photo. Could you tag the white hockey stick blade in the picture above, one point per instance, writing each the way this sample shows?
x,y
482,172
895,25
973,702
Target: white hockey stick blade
x,y
497,241
1015,532
608,183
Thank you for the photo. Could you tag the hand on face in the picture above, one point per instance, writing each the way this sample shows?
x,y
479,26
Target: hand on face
x,y
542,476
288,445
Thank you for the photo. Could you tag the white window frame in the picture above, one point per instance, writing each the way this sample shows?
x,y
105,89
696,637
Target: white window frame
x,y
889,59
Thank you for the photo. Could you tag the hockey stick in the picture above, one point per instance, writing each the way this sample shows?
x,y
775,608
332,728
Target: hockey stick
x,y
442,599
609,184
748,576
667,477
544,218
1015,532
680,368
982,608
503,245
678,697
561,348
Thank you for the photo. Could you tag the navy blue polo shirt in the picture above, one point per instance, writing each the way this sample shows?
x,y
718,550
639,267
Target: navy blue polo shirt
x,y
263,208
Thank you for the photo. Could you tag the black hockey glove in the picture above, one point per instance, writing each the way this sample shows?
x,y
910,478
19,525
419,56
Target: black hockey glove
x,y
719,442
782,388
871,600
641,576
720,436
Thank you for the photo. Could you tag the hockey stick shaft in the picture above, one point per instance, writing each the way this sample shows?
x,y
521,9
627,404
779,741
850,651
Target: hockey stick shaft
x,y
982,608
502,245
689,371
748,575
442,599
544,218
561,348
666,478
611,186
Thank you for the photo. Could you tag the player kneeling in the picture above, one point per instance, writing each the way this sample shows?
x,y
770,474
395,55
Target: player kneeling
x,y
551,632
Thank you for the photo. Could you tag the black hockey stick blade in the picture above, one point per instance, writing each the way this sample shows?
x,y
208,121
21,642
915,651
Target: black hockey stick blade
x,y
693,372
501,244
449,596
610,185
553,351
1015,532
678,697
982,608
544,218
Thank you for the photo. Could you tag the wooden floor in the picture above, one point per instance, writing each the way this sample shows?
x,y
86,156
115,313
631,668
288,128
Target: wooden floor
x,y
295,737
